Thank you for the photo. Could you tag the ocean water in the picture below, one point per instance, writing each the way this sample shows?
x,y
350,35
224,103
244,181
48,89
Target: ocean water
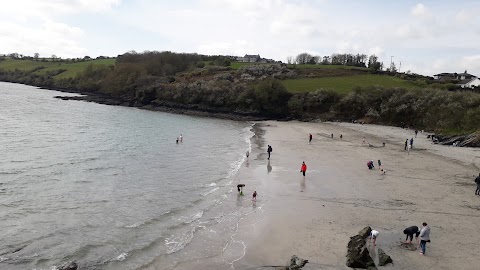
x,y
110,188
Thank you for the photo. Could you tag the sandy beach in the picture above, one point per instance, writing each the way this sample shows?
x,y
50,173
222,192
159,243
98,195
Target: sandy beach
x,y
314,217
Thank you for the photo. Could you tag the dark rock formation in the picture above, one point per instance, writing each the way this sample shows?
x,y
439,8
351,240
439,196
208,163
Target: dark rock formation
x,y
357,254
68,266
296,263
365,232
383,259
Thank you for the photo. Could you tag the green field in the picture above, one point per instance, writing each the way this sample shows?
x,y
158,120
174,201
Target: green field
x,y
324,67
72,68
344,84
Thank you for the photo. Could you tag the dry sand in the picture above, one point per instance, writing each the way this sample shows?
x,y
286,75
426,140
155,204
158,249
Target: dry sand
x,y
313,217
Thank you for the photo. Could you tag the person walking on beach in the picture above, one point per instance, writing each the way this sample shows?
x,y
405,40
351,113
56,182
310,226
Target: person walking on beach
x,y
379,164
410,231
416,132
254,196
269,150
332,135
303,169
373,237
411,143
406,144
424,238
477,180
363,142
341,137
247,154
310,137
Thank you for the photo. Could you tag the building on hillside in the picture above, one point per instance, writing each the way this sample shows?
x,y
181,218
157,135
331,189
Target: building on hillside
x,y
469,83
249,58
255,59
453,76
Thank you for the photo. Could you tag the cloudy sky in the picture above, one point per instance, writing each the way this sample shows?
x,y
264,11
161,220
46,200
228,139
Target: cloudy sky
x,y
428,36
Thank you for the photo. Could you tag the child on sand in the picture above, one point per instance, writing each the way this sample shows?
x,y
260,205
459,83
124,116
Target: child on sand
x,y
303,169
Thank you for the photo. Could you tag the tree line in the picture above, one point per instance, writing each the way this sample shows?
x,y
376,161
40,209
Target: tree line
x,y
345,59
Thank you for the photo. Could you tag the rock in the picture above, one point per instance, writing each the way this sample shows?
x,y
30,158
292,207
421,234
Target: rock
x,y
296,263
365,232
383,259
357,254
72,265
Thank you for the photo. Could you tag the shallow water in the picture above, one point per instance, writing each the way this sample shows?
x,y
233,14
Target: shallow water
x,y
108,186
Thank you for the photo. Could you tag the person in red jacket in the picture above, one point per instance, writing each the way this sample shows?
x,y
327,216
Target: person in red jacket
x,y
303,169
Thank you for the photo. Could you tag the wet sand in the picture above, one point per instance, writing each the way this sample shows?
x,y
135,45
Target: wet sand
x,y
313,217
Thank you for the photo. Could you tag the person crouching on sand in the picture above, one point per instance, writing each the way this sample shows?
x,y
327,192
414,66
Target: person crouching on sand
x,y
410,231
373,237
303,169
370,165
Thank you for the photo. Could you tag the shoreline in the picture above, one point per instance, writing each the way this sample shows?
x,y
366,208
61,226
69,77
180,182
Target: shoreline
x,y
196,110
314,217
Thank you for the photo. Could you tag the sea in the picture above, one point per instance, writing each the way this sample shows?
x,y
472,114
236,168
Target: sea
x,y
110,188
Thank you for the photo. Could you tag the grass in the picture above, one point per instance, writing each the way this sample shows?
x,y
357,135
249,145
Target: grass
x,y
324,67
72,68
344,84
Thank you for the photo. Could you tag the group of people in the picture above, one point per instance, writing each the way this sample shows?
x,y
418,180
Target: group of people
x,y
408,146
180,138
422,236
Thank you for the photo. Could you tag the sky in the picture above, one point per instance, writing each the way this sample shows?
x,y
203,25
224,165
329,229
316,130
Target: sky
x,y
427,37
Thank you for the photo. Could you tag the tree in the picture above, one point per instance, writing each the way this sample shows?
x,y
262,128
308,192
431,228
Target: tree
x,y
36,56
54,57
304,58
290,60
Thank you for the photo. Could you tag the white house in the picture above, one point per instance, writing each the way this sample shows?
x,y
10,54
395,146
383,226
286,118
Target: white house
x,y
469,83
454,76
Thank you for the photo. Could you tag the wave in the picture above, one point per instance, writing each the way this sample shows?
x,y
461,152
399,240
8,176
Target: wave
x,y
175,244
210,192
121,257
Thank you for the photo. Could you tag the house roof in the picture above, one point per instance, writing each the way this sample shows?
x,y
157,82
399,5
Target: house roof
x,y
444,74
251,55
462,82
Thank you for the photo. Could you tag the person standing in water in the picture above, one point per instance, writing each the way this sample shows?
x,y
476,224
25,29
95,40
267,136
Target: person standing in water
x,y
181,138
269,151
310,137
303,169
247,154
177,140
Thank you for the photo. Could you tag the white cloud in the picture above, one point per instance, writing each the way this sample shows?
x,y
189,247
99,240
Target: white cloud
x,y
29,26
420,11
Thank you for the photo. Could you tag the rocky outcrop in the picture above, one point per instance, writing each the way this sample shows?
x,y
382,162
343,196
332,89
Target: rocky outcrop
x,y
72,265
469,140
357,254
365,232
296,263
383,259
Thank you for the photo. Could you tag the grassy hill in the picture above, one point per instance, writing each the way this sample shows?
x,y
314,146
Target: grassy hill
x,y
343,84
71,68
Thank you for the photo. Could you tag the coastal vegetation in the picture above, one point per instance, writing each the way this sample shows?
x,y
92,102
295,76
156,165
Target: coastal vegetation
x,y
305,91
